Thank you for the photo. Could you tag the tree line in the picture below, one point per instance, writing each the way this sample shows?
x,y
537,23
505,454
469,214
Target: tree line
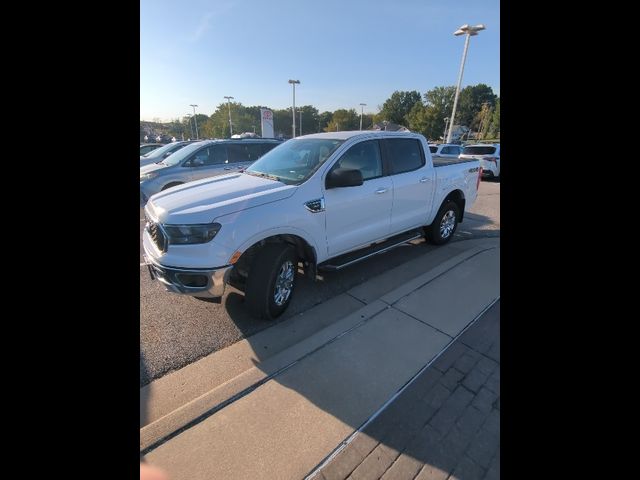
x,y
478,109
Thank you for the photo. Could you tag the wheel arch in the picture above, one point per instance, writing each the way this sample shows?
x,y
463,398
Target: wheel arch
x,y
304,247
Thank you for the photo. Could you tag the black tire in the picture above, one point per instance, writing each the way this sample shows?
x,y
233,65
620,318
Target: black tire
x,y
209,300
260,291
440,236
174,184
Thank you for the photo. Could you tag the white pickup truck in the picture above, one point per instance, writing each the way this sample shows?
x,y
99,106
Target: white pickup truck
x,y
316,202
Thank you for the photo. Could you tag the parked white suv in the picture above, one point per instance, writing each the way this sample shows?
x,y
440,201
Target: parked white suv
x,y
445,150
319,202
488,155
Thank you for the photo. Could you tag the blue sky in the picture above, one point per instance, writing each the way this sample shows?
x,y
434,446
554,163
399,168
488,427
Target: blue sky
x,y
344,52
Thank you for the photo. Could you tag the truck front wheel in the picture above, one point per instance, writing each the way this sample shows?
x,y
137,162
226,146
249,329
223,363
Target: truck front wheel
x,y
444,225
271,281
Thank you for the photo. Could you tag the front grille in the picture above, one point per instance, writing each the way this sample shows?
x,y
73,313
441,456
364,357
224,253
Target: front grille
x,y
157,235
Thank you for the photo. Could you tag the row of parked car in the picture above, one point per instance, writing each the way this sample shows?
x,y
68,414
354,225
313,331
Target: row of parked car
x,y
487,153
166,166
182,162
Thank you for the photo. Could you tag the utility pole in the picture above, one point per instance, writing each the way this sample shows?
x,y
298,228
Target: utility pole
x,y
293,110
230,124
195,119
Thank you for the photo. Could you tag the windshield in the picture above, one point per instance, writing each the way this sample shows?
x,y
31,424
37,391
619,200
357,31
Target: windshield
x,y
296,160
479,150
158,152
180,155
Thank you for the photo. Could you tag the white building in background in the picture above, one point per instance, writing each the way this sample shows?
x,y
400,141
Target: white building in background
x,y
458,132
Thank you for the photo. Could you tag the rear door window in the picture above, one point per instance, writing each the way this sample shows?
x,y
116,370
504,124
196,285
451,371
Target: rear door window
x,y
405,154
238,153
211,155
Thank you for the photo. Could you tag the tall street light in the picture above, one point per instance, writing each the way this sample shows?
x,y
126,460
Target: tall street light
x,y
293,84
188,115
469,31
230,124
195,119
362,105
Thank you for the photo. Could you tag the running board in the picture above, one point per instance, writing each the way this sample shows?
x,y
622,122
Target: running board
x,y
350,258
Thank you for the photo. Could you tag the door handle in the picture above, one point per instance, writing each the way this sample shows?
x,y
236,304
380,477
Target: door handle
x,y
424,179
381,190
227,168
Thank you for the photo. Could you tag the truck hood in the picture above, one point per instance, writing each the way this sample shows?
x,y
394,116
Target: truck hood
x,y
205,200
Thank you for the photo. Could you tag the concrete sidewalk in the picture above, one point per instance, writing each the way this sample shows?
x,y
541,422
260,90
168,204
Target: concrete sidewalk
x,y
287,413
445,423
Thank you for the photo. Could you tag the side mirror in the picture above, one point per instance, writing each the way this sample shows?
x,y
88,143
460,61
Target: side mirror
x,y
344,177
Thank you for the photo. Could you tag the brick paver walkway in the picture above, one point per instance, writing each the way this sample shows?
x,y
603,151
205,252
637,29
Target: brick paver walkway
x,y
444,425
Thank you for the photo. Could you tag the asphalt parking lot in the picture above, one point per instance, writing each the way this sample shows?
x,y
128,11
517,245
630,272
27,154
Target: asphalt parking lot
x,y
177,330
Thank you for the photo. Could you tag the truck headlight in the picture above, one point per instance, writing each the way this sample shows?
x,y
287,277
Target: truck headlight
x,y
190,234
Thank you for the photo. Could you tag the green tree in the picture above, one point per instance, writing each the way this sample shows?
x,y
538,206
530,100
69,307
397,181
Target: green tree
x,y
343,120
218,125
282,122
323,120
417,119
396,108
176,129
494,125
310,118
367,121
470,104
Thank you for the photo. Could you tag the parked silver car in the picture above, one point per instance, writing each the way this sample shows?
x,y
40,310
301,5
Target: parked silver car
x,y
203,159
148,147
161,153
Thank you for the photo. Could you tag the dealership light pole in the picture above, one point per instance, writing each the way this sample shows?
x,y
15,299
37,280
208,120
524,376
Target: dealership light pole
x,y
300,114
195,119
469,31
230,124
188,115
362,105
293,84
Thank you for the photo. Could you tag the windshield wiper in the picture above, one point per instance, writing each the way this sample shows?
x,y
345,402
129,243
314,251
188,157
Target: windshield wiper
x,y
263,175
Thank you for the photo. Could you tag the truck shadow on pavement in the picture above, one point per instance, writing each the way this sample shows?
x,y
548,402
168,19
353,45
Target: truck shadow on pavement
x,y
430,427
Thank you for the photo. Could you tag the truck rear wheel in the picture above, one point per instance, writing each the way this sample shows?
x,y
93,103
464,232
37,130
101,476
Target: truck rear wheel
x,y
444,225
271,281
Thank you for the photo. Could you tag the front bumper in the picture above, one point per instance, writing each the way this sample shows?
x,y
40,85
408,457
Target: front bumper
x,y
205,283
